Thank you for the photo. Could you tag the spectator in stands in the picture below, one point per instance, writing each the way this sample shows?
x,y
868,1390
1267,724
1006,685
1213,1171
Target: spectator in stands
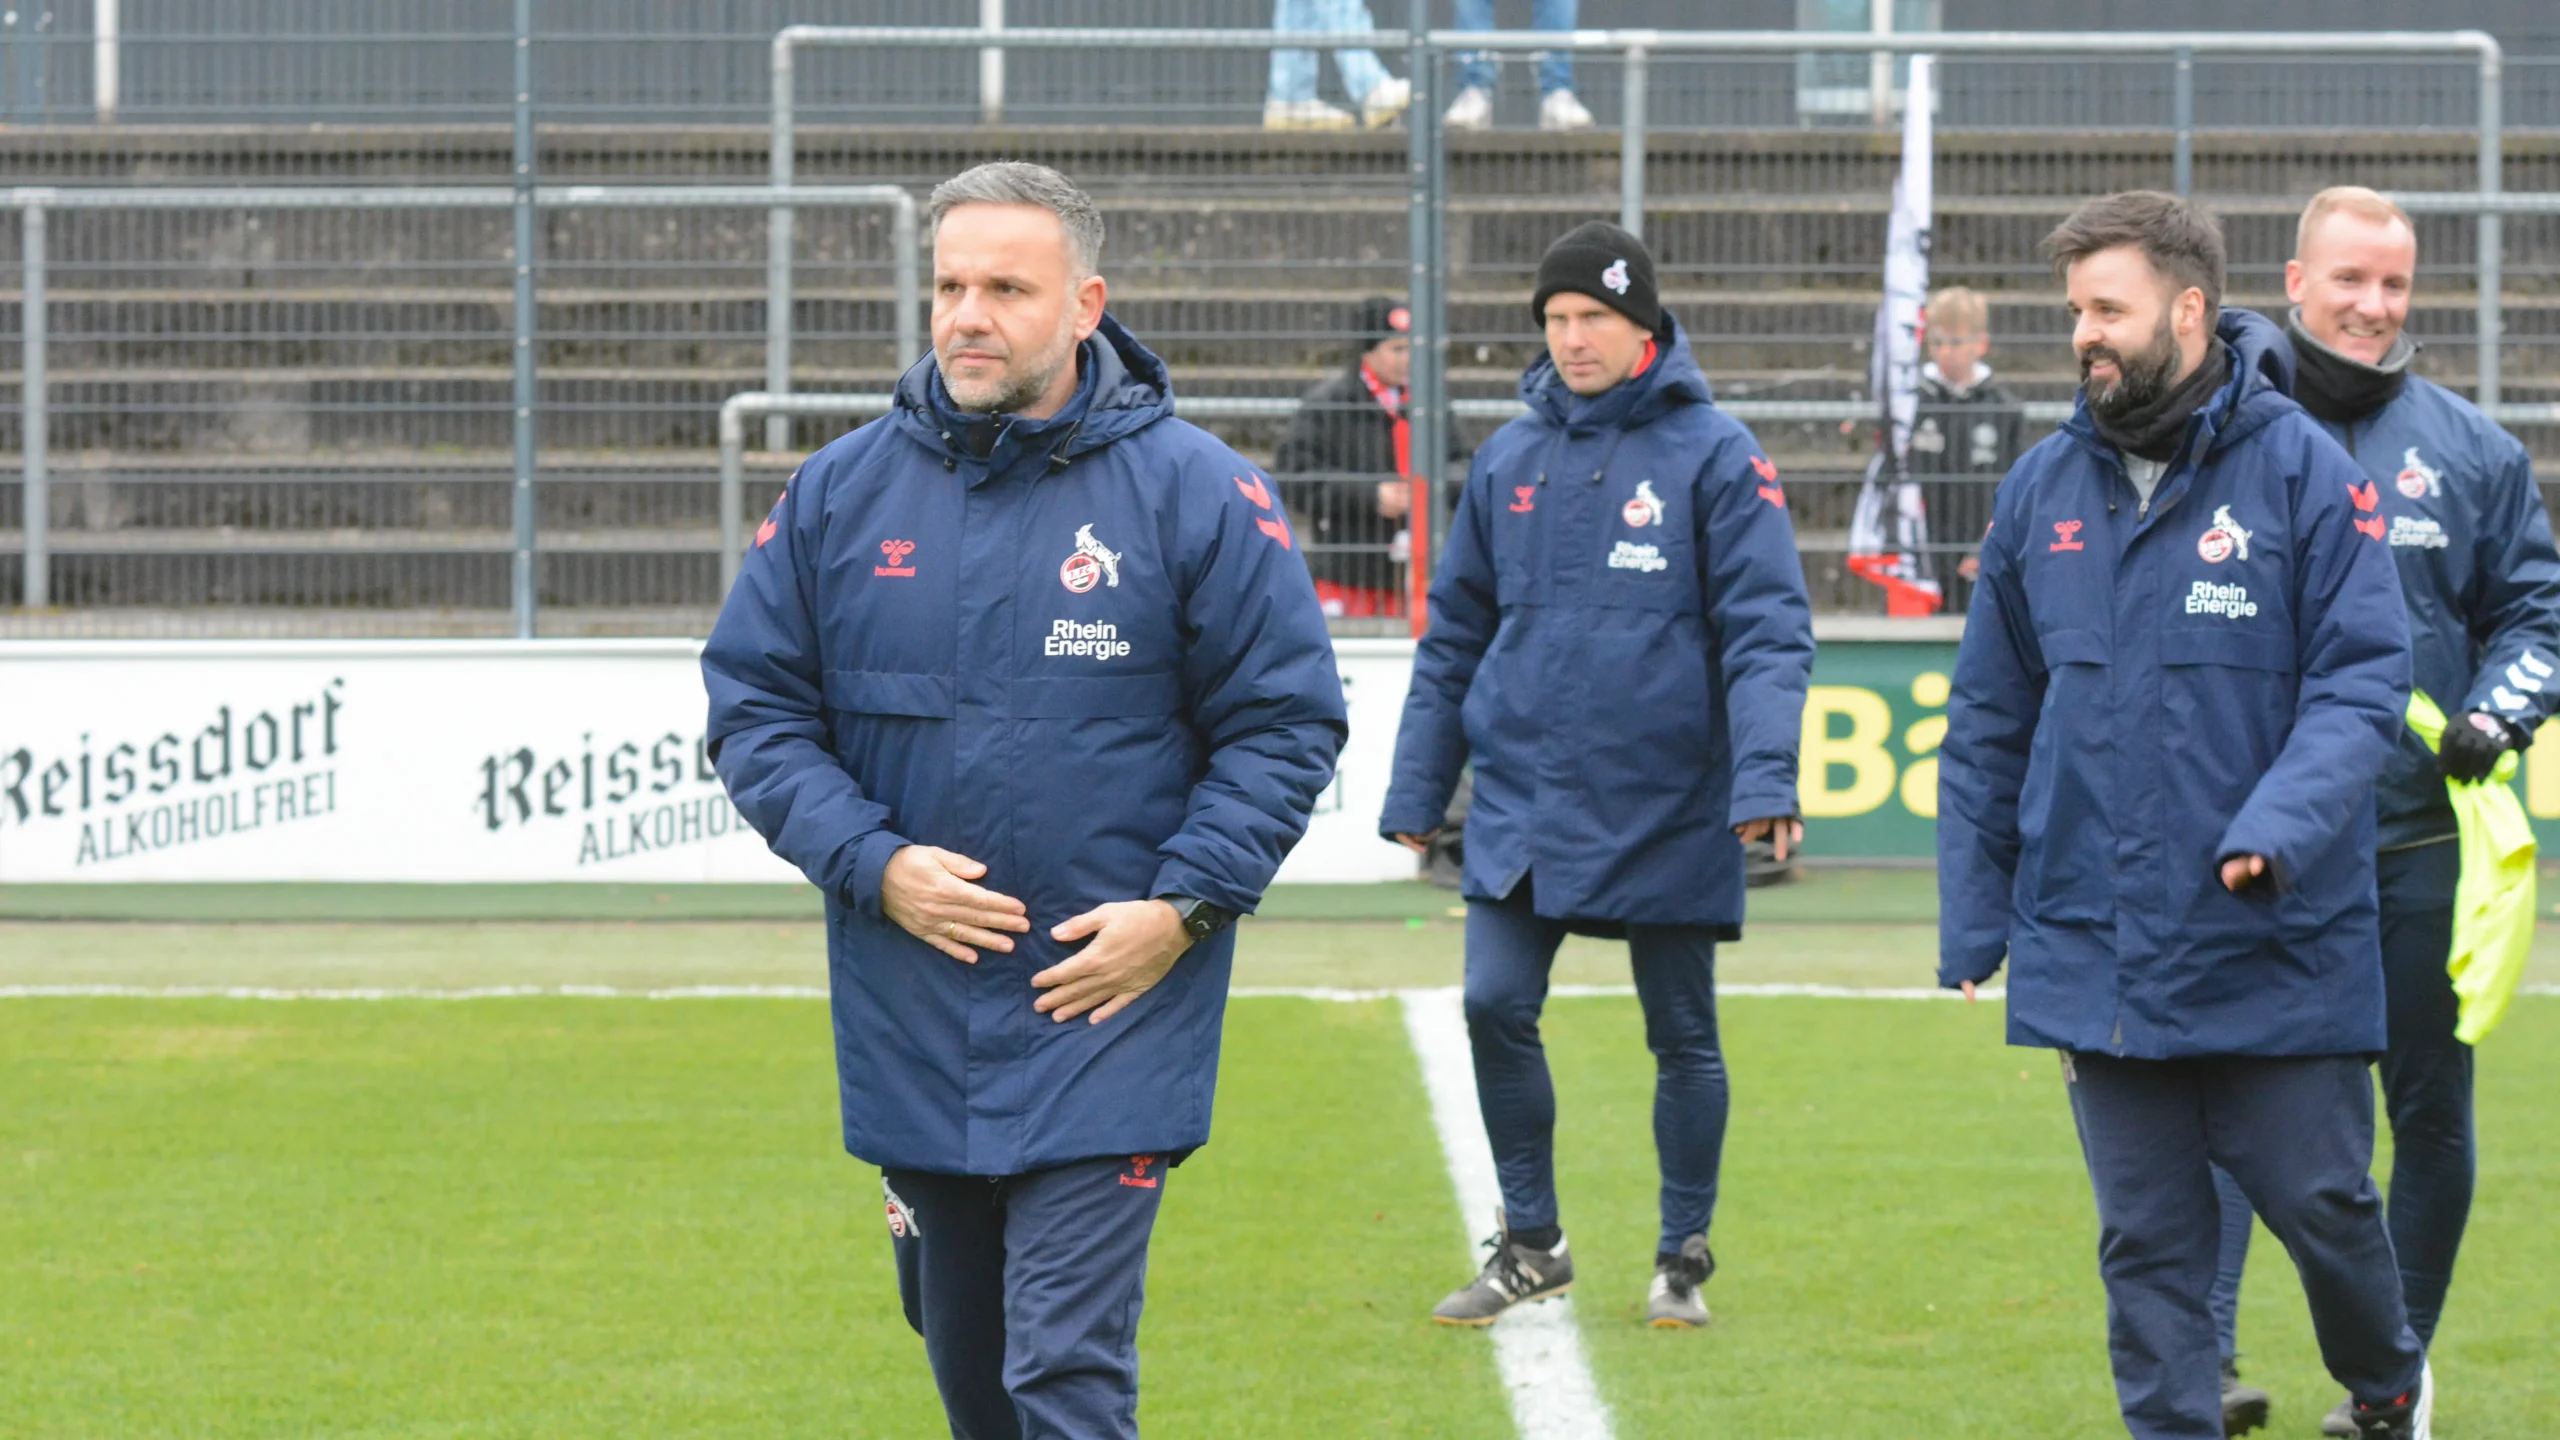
x,y
1557,110
1292,104
1345,468
1967,432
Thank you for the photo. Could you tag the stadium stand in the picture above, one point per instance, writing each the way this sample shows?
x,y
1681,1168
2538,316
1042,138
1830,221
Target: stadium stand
x,y
298,422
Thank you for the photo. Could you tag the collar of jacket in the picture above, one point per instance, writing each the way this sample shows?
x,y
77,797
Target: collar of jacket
x,y
2258,390
2341,390
1671,381
1121,388
1931,375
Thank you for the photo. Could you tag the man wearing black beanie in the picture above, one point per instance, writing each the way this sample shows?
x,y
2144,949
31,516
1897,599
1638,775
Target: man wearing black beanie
x,y
1619,644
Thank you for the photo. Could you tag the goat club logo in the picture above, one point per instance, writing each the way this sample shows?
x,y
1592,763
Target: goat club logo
x,y
1525,499
2066,536
1615,277
1091,564
897,552
2224,540
1645,509
2418,479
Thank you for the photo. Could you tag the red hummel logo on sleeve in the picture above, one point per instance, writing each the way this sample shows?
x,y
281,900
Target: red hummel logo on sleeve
x,y
1255,492
2368,497
1274,529
1767,471
765,531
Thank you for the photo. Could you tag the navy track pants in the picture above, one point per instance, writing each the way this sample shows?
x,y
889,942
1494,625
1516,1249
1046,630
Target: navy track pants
x,y
1510,950
1026,1289
2297,1134
2426,1091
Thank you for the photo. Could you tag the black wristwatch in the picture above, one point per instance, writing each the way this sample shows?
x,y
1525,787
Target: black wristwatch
x,y
1200,919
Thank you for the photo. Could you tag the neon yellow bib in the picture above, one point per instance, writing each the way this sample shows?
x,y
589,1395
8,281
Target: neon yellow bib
x,y
2493,907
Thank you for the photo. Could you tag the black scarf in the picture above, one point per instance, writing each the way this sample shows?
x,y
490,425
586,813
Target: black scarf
x,y
2154,431
2339,389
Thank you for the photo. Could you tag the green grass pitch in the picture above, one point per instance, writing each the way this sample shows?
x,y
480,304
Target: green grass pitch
x,y
572,1216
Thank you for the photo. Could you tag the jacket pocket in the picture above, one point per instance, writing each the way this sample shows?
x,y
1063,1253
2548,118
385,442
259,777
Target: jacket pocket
x,y
2185,645
2072,647
1097,697
2066,808
889,692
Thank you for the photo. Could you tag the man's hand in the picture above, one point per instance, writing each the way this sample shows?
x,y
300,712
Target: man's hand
x,y
2472,747
926,892
1967,987
2242,871
1416,843
1783,830
1134,943
1395,497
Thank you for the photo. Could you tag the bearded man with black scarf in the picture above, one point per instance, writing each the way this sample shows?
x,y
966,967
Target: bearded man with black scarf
x,y
2458,507
2185,664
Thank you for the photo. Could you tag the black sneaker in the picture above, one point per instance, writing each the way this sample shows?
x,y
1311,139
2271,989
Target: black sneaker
x,y
1676,1302
2244,1407
2409,1417
1514,1273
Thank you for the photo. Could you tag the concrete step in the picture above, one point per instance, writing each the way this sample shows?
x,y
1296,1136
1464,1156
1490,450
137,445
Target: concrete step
x,y
1106,158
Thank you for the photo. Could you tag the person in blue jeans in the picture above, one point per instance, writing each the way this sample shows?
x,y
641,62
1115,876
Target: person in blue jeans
x,y
1557,107
1292,102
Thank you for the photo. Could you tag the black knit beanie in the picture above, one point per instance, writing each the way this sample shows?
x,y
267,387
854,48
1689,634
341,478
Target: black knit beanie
x,y
1606,263
1380,319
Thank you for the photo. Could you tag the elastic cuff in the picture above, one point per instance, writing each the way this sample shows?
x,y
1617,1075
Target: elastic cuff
x,y
871,857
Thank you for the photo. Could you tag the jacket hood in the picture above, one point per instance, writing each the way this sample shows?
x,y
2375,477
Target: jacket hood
x,y
1671,381
1121,388
2260,388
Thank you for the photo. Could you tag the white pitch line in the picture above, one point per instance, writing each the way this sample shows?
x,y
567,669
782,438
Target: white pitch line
x,y
1537,1347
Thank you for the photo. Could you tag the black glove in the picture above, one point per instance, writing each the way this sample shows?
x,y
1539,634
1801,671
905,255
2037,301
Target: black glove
x,y
2472,745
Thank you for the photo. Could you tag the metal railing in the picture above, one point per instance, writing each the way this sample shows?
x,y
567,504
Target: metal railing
x,y
1636,47
34,203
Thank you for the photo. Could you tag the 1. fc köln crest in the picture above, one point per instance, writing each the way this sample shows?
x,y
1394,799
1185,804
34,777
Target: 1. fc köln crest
x,y
1092,564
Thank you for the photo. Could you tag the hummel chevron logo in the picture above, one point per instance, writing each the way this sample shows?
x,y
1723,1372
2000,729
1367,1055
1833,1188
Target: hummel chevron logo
x,y
1255,492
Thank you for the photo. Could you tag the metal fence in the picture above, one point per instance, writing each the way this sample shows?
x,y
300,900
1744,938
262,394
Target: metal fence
x,y
620,62
286,420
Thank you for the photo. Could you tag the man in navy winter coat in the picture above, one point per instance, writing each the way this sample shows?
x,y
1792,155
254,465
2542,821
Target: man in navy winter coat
x,y
2185,665
1619,642
1029,681
2466,526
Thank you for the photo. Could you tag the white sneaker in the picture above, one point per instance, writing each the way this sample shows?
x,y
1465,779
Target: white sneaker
x,y
1472,110
1304,115
1385,101
1560,111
